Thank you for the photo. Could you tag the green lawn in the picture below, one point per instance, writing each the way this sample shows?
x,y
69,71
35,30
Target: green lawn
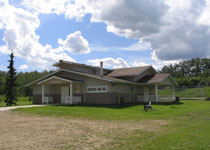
x,y
21,101
188,124
189,92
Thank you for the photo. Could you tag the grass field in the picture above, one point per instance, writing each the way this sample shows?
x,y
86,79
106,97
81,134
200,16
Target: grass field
x,y
186,93
21,101
170,126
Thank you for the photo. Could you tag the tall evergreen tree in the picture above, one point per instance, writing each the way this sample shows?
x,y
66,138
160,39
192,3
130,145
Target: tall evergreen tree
x,y
10,86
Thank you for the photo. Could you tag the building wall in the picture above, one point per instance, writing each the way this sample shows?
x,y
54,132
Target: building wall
x,y
138,90
79,89
37,99
119,88
115,90
168,82
100,98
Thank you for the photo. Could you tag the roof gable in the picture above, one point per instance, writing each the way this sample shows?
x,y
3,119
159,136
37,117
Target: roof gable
x,y
158,79
105,78
56,79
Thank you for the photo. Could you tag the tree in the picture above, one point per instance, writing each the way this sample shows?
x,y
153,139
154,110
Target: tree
x,y
0,78
10,86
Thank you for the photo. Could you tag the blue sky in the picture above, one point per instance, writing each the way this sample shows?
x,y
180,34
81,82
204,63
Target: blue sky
x,y
125,34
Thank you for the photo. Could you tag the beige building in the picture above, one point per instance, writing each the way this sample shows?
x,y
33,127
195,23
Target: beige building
x,y
77,83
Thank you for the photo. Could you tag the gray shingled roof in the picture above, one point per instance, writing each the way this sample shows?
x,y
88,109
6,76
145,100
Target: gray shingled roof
x,y
118,80
128,71
157,78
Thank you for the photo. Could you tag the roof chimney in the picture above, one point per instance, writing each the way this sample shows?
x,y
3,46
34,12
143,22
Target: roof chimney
x,y
101,69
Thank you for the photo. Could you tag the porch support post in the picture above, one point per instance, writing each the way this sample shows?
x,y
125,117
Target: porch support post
x,y
71,93
42,93
156,92
84,93
173,93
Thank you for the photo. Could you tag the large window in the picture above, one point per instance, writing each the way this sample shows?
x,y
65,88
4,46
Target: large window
x,y
97,89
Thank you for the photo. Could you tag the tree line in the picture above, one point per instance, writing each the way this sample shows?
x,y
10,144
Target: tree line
x,y
22,79
186,73
191,72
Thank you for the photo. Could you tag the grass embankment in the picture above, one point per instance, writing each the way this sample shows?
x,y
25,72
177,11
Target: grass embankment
x,y
188,124
21,101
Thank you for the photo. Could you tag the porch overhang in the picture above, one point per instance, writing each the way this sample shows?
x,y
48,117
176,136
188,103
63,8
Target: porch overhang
x,y
61,79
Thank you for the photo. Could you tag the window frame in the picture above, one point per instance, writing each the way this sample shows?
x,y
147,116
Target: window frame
x,y
94,89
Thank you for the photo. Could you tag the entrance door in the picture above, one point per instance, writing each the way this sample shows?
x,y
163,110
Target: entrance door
x,y
64,93
146,94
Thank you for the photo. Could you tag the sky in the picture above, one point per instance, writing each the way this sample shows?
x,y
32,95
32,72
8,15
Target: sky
x,y
121,33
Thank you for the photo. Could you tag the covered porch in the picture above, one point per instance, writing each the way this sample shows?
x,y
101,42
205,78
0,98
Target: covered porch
x,y
60,90
159,88
155,93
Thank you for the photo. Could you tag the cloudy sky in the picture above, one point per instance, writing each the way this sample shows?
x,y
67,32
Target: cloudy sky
x,y
122,33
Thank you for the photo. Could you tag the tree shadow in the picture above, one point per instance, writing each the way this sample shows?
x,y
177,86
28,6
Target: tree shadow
x,y
120,106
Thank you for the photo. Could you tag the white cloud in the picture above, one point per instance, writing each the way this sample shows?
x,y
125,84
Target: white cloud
x,y
110,62
45,6
138,46
176,29
205,15
138,64
23,67
20,36
159,64
78,9
75,43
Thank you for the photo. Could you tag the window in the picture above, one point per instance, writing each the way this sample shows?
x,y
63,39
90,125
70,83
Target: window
x,y
131,90
97,89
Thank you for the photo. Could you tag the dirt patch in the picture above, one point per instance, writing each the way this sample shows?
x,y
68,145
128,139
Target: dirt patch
x,y
19,131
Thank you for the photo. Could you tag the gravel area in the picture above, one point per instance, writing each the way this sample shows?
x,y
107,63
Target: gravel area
x,y
20,131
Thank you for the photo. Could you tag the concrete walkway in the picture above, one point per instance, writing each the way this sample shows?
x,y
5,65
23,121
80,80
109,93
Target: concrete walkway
x,y
14,107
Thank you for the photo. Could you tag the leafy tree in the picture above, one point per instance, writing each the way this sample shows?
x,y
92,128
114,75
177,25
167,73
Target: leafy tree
x,y
23,78
10,86
190,72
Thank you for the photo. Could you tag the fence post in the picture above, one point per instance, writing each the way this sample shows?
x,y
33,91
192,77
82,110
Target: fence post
x,y
173,93
42,93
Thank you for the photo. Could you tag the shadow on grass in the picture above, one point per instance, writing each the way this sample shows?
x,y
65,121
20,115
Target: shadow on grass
x,y
119,106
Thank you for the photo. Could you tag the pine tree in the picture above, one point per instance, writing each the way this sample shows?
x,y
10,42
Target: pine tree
x,y
10,86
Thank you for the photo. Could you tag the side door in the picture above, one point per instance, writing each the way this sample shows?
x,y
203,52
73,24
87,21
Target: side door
x,y
64,93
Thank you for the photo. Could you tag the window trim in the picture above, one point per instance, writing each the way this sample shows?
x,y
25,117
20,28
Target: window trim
x,y
88,89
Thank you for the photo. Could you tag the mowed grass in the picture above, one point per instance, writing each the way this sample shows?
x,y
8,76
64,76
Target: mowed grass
x,y
188,92
188,124
21,101
119,112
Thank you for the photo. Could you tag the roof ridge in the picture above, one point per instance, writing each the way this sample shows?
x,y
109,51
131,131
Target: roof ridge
x,y
132,67
75,63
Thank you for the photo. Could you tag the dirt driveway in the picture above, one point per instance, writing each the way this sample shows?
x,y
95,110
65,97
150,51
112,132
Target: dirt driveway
x,y
23,132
